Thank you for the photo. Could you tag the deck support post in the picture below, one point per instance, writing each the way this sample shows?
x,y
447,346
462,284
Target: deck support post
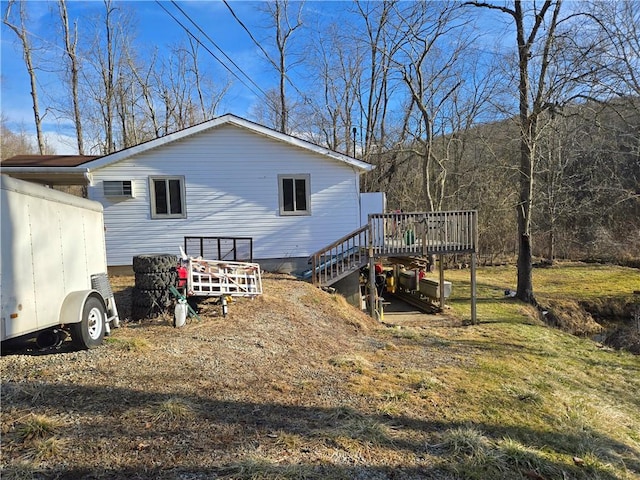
x,y
372,284
473,288
441,286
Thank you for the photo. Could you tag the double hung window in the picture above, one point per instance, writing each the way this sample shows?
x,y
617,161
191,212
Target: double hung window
x,y
167,197
294,194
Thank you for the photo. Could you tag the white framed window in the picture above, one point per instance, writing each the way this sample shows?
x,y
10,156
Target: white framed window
x,y
167,196
294,192
117,188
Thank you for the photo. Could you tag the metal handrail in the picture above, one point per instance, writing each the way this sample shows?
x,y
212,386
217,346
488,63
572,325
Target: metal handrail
x,y
220,248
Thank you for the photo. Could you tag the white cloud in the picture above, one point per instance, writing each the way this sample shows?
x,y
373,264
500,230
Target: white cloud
x,y
60,144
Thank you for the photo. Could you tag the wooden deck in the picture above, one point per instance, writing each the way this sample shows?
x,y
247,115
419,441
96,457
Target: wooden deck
x,y
395,234
422,234
400,235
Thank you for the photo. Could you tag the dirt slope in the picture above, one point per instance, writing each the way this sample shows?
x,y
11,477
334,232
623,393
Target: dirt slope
x,y
297,384
271,382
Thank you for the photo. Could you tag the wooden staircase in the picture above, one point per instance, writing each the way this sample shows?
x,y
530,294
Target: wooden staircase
x,y
340,259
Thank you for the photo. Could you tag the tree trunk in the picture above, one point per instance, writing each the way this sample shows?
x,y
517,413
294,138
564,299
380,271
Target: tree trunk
x,y
22,34
525,269
524,289
70,50
551,245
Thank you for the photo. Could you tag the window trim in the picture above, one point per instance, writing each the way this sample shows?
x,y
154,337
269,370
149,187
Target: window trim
x,y
307,183
108,188
152,197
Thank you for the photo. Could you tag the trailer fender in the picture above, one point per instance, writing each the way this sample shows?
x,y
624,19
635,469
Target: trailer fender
x,y
71,310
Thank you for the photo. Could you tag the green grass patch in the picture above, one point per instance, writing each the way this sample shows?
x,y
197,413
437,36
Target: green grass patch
x,y
533,401
37,427
576,282
128,344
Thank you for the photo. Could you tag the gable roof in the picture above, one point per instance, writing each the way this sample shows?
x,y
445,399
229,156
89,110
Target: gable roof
x,y
66,163
228,119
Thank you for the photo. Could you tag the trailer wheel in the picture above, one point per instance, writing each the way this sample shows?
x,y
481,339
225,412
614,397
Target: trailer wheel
x,y
156,280
90,331
147,298
153,263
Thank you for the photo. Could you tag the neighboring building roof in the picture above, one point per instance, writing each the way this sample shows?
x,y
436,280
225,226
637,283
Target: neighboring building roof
x,y
61,164
47,160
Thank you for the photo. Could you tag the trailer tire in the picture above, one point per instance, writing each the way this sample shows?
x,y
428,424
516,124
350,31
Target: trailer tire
x,y
89,332
156,281
154,263
140,313
148,298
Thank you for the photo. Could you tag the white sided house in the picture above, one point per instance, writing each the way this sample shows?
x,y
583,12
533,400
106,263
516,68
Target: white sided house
x,y
227,177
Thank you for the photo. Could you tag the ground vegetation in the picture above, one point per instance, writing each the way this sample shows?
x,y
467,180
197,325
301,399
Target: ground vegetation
x,y
298,384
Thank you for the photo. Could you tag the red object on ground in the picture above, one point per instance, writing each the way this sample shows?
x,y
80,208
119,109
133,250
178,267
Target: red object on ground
x,y
182,277
379,270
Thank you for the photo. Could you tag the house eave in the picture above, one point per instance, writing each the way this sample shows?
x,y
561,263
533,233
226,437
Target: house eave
x,y
50,175
227,119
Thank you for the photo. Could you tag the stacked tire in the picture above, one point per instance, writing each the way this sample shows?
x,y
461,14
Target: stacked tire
x,y
154,274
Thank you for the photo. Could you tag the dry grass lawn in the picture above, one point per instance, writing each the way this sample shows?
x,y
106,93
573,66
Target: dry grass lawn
x,y
298,384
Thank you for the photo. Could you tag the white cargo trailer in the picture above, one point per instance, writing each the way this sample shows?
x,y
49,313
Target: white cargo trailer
x,y
53,278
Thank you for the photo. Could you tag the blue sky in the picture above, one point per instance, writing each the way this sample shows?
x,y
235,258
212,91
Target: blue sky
x,y
154,28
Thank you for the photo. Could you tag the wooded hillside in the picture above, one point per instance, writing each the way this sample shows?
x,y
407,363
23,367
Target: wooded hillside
x,y
586,191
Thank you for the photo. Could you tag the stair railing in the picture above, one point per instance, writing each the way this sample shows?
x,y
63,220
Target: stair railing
x,y
342,257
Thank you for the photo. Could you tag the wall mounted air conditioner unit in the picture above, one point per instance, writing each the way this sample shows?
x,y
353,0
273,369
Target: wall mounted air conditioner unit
x,y
117,188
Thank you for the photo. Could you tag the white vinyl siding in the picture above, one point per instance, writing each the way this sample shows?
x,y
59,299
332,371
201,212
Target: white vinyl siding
x,y
231,178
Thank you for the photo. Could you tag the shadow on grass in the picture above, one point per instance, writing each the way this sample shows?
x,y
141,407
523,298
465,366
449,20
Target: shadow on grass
x,y
29,347
105,411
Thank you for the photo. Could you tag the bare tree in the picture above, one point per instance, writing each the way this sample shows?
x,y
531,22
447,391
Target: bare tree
x,y
376,17
70,47
561,171
285,28
143,76
14,143
27,49
106,81
208,94
330,103
108,74
618,23
619,83
533,26
379,37
100,76
195,69
433,76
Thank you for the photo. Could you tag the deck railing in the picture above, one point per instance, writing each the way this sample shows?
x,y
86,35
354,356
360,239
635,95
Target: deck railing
x,y
339,259
424,233
395,234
